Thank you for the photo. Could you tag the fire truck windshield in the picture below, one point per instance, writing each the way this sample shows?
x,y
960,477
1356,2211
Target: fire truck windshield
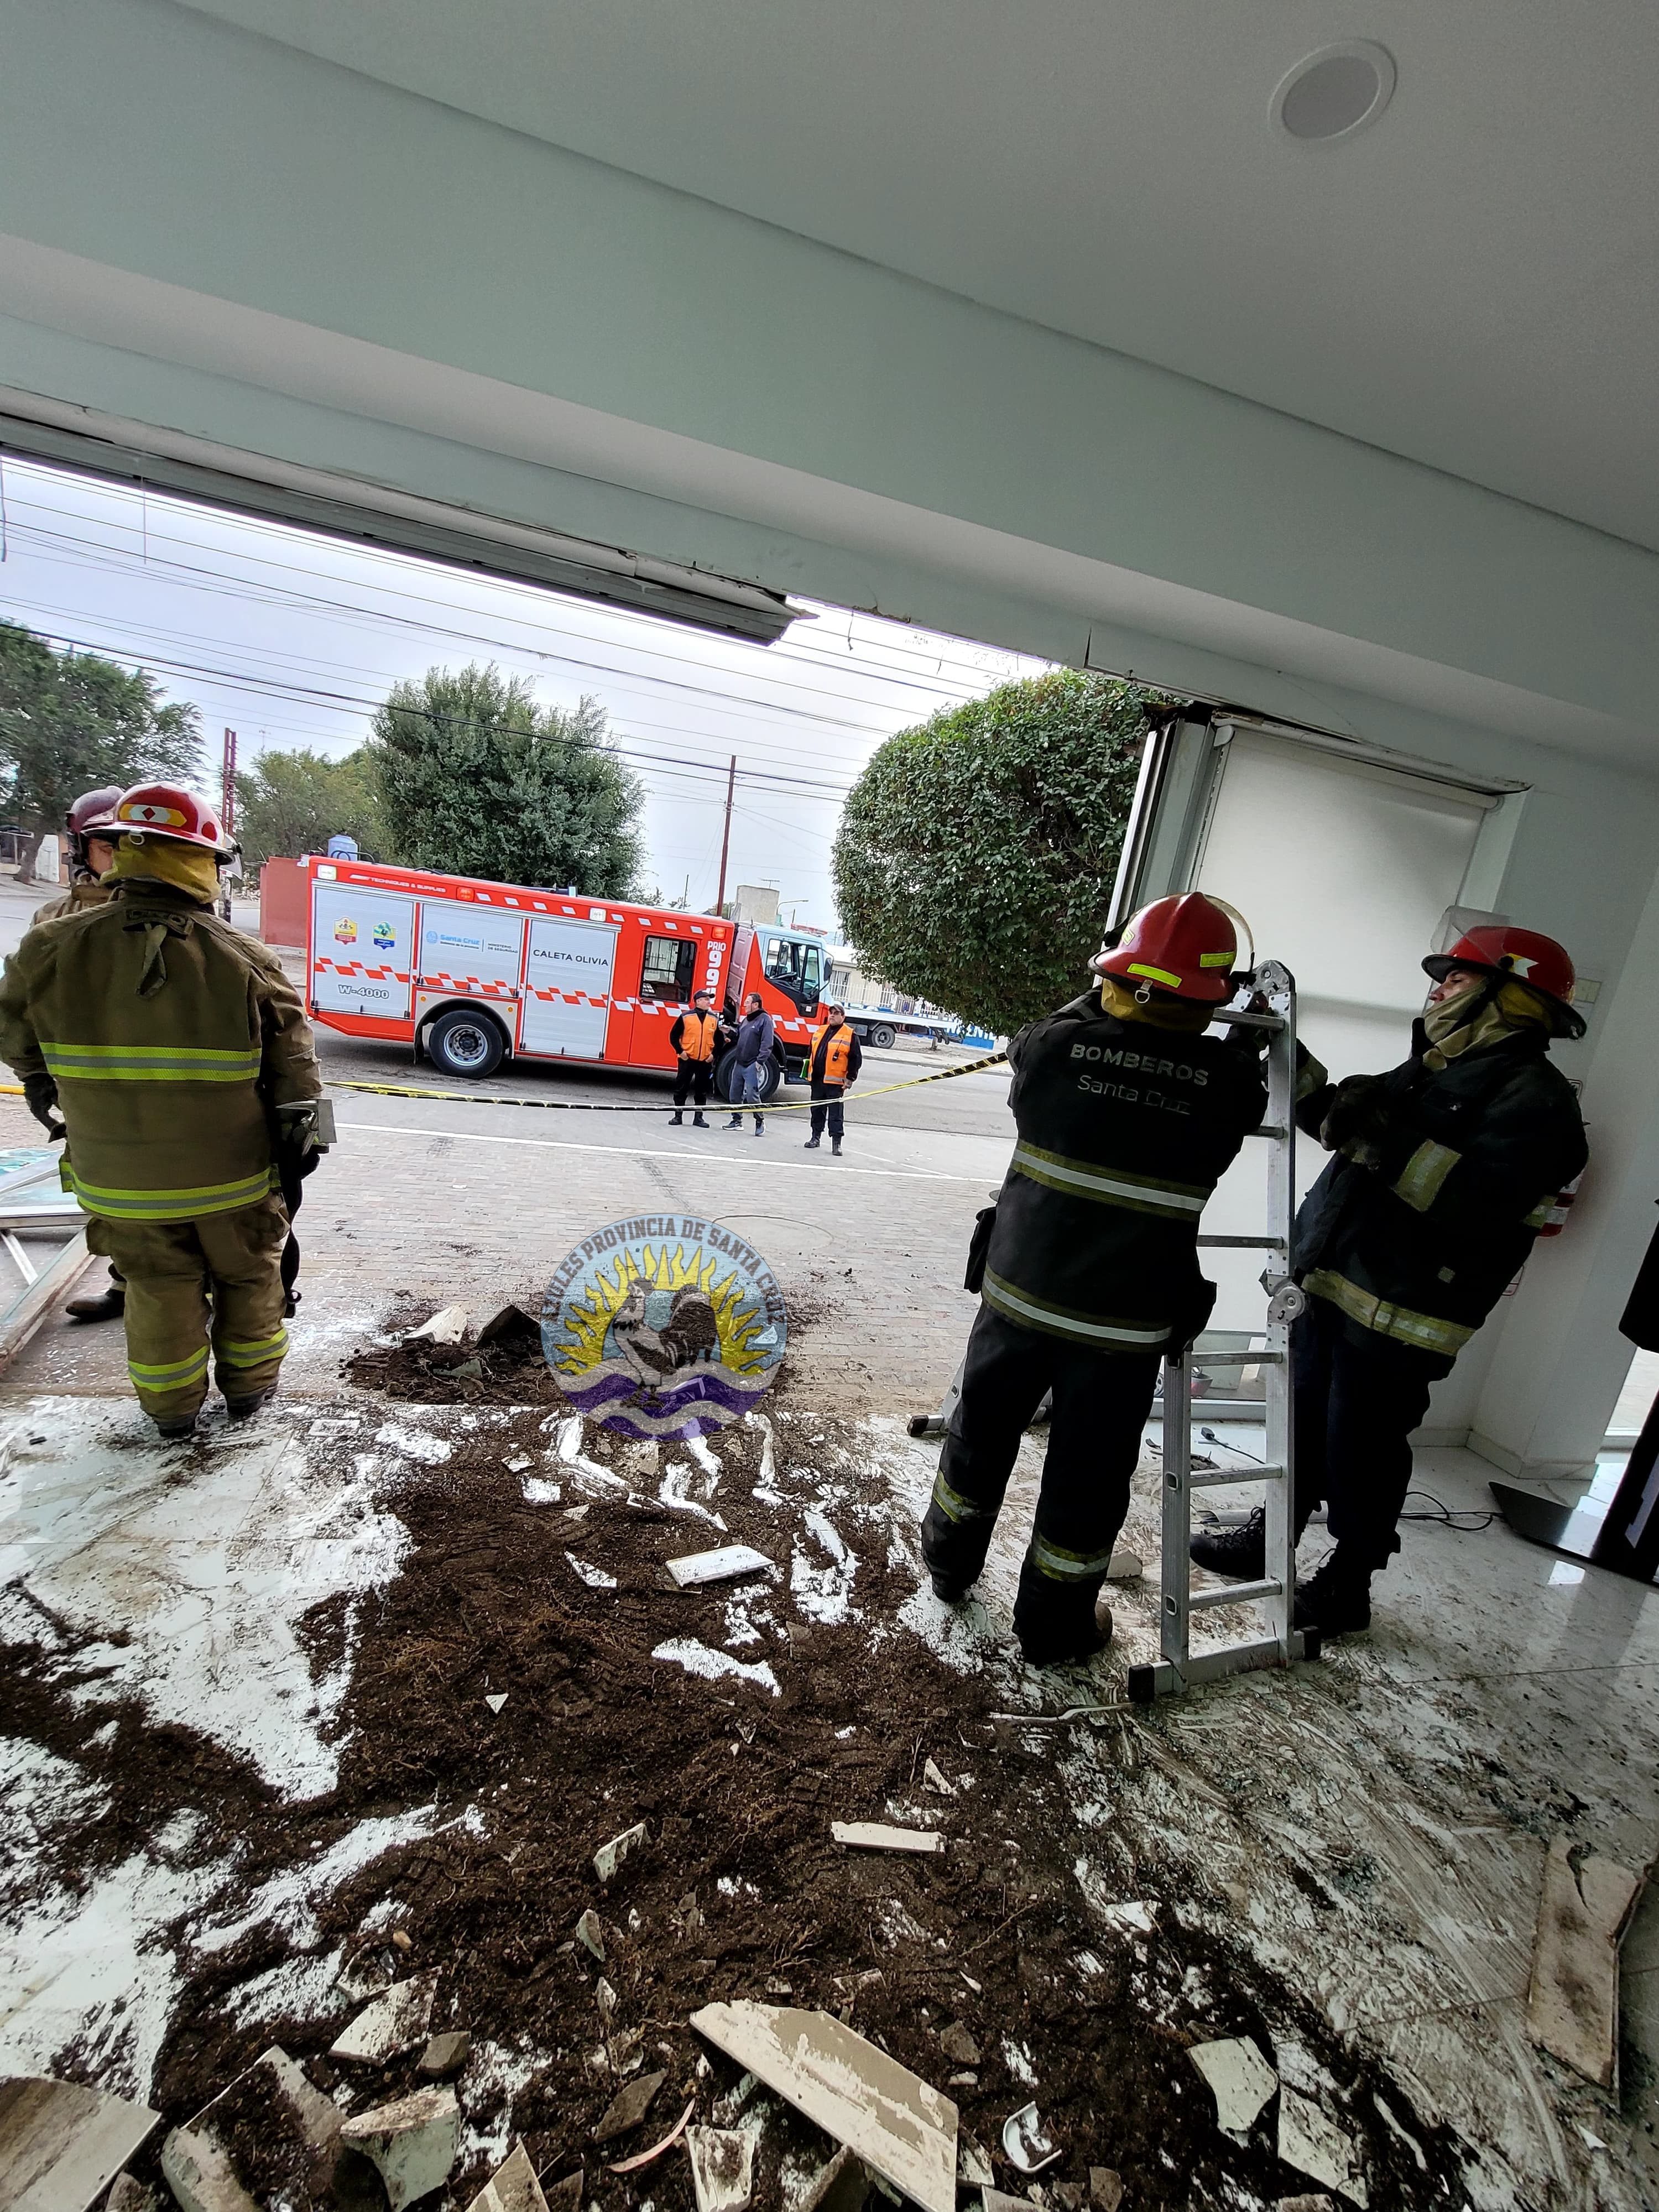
x,y
795,965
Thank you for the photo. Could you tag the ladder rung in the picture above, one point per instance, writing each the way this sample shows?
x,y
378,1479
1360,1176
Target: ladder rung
x,y
1270,1129
1247,1243
1218,1478
1241,1018
1235,1593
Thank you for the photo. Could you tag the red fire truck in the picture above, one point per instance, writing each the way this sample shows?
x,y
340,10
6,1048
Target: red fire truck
x,y
469,972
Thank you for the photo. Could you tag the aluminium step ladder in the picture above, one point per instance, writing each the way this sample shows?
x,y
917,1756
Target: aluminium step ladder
x,y
1180,1667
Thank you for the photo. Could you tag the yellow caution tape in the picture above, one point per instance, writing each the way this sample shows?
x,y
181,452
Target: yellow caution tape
x,y
604,1106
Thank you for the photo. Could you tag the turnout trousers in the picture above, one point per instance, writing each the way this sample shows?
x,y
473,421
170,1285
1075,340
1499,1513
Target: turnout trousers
x,y
215,1280
1101,1402
1354,1407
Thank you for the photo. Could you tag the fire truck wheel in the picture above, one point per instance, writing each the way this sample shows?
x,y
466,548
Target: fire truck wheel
x,y
728,1082
881,1037
462,1042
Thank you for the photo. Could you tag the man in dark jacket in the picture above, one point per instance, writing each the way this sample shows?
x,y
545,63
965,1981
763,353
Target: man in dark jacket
x,y
694,1037
1446,1170
1127,1114
756,1036
833,1062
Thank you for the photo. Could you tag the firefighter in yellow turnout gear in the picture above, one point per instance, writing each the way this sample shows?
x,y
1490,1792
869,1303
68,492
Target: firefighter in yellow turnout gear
x,y
180,1057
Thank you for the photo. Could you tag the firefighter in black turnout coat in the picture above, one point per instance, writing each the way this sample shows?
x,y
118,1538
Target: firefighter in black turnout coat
x,y
1446,1168
1127,1114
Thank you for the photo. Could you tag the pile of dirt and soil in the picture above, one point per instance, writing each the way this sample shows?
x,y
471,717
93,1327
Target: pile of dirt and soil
x,y
735,1722
501,1364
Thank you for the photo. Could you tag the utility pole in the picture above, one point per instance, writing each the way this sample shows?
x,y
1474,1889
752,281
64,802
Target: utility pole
x,y
726,840
227,786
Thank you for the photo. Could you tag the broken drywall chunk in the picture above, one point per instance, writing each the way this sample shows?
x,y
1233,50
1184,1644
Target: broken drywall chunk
x,y
366,1975
878,1836
1124,1567
955,2042
1027,2141
128,2194
901,2126
723,2167
1572,2004
589,1932
61,2145
566,2195
609,1856
999,2200
512,2188
445,2054
1241,2078
629,2107
1105,2188
447,1326
196,2168
392,2024
496,1699
842,2186
1315,2201
1314,2146
696,1568
595,1578
973,2163
411,2142
932,1779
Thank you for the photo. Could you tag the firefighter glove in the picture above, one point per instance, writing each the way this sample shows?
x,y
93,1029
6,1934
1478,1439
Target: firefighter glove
x,y
40,1094
1358,1119
306,1127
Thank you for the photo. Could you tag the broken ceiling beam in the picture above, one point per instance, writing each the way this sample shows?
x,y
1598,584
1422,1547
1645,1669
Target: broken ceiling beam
x,y
1572,2004
61,2146
904,2130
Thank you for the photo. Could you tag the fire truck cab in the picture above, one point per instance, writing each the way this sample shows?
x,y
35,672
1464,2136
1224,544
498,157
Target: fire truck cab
x,y
470,973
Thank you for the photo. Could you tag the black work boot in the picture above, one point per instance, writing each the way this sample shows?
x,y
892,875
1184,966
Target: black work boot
x,y
813,1142
174,1432
243,1409
675,1118
1336,1598
835,1147
1240,1552
698,1122
736,1122
950,1590
109,1305
1055,1646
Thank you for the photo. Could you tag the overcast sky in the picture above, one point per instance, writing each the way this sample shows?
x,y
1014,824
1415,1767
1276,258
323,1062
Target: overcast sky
x,y
292,639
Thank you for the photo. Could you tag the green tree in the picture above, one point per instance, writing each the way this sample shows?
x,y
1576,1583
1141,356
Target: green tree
x,y
72,721
975,856
475,779
290,803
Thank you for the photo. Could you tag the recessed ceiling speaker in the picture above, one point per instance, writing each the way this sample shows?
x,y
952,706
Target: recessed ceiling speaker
x,y
1333,93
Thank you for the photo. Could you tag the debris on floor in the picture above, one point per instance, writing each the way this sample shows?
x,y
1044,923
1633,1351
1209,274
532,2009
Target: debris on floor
x,y
609,1858
1312,2144
1241,2078
61,2144
270,2133
424,1361
904,2130
445,2054
722,1565
882,1836
411,2143
514,2187
1027,2142
723,2167
391,2024
1572,2005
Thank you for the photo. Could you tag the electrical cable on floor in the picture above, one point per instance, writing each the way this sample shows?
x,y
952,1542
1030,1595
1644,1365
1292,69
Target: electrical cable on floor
x,y
1211,1437
1466,1522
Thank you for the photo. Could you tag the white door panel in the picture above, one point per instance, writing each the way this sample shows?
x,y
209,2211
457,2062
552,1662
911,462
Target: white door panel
x,y
467,947
570,968
361,951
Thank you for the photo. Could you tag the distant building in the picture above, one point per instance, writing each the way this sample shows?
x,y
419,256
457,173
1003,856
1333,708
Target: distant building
x,y
755,902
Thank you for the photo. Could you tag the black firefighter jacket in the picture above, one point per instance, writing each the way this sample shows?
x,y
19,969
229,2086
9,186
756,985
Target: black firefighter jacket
x,y
1417,1244
1124,1131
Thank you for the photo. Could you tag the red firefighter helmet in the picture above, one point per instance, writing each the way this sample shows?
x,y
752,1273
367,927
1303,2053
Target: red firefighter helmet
x,y
1523,955
1185,946
167,810
93,813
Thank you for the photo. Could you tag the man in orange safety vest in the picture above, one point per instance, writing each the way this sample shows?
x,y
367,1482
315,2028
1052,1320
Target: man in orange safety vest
x,y
832,1064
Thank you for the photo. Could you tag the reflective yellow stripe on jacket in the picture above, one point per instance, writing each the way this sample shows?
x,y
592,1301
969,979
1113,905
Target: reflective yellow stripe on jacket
x,y
1428,1332
169,1205
147,1063
1177,1201
1104,1334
